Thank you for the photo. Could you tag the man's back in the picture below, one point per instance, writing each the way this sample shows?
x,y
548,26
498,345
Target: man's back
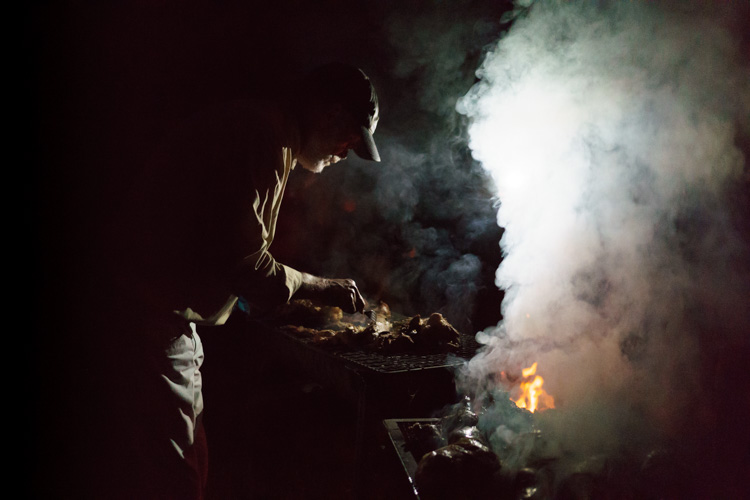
x,y
187,220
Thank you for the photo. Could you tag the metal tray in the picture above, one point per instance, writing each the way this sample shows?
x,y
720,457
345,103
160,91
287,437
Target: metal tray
x,y
398,433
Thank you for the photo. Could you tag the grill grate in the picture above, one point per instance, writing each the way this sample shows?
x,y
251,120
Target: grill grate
x,y
396,363
393,362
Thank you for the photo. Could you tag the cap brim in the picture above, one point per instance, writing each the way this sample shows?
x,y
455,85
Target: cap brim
x,y
366,148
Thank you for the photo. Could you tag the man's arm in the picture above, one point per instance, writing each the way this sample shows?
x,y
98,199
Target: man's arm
x,y
261,279
253,196
342,293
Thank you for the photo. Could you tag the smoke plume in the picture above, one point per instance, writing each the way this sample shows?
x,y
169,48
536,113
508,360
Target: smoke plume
x,y
614,133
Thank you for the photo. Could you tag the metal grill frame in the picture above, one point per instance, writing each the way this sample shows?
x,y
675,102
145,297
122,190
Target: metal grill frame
x,y
400,440
397,362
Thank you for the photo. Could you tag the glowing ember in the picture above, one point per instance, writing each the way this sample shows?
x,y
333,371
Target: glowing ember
x,y
533,397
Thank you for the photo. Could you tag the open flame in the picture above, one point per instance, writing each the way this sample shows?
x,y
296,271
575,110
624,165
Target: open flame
x,y
533,397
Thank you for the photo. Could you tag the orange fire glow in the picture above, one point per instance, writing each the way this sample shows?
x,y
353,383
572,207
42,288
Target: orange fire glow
x,y
533,397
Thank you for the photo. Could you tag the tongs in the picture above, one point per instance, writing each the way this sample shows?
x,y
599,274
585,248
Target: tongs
x,y
371,314
380,313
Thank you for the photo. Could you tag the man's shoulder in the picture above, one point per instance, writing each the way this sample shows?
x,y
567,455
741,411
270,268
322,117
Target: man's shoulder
x,y
262,122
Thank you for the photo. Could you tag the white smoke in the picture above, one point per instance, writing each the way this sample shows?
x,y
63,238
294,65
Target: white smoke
x,y
611,131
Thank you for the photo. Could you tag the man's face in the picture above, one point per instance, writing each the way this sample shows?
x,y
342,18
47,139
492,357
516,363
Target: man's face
x,y
328,141
321,151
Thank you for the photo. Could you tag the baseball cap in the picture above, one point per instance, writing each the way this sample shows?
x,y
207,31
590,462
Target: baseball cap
x,y
351,87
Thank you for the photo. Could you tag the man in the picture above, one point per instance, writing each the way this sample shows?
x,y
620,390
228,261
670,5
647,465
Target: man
x,y
193,236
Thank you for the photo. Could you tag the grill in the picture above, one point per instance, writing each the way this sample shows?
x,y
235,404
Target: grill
x,y
392,384
381,385
399,363
332,366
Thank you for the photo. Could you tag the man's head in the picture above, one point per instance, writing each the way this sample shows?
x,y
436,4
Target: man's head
x,y
338,112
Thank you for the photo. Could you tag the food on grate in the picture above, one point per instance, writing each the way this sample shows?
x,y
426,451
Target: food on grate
x,y
304,313
380,313
432,334
412,335
350,336
392,342
309,333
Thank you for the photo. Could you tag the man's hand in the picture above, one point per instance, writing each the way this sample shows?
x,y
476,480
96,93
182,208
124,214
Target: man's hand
x,y
341,293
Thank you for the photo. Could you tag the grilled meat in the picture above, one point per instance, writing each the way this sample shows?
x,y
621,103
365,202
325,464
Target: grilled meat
x,y
413,335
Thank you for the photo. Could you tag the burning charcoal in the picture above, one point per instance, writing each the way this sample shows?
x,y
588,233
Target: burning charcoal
x,y
464,470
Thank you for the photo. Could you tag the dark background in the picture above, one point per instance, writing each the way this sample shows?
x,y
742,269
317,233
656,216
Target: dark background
x,y
113,78
109,80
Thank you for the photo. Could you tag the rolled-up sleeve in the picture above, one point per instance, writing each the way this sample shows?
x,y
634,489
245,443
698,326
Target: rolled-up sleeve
x,y
258,277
